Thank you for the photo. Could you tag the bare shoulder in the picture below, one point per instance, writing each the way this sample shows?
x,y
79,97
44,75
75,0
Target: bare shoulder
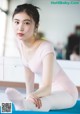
x,y
42,41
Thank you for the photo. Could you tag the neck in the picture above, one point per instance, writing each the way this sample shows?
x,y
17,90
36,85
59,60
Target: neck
x,y
29,42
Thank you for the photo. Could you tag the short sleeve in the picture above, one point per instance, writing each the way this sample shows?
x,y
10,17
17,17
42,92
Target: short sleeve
x,y
46,49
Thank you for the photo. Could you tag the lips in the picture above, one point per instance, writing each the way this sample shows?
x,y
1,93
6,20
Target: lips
x,y
20,34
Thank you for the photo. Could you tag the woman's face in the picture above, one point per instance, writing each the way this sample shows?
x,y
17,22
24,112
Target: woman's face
x,y
24,26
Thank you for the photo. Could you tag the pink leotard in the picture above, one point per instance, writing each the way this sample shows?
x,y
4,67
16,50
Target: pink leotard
x,y
60,79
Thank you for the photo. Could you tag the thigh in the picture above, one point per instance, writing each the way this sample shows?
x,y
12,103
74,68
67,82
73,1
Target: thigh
x,y
61,100
57,100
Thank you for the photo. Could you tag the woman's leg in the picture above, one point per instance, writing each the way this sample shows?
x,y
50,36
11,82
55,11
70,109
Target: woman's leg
x,y
62,100
22,104
57,100
15,97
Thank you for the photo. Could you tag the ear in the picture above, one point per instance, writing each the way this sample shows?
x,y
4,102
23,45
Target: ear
x,y
36,26
36,29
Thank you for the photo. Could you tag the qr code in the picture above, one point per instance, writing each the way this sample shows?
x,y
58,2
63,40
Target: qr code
x,y
6,108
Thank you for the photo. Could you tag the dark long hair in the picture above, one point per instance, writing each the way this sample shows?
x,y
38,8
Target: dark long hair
x,y
30,9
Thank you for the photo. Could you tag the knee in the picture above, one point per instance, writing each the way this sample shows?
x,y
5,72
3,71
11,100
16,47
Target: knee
x,y
75,98
73,102
8,91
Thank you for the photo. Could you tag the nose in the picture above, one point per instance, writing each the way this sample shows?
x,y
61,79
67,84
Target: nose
x,y
21,27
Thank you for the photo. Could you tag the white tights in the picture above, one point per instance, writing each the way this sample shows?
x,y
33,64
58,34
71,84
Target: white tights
x,y
57,100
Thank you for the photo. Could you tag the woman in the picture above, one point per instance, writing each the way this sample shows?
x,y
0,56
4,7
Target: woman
x,y
75,55
56,91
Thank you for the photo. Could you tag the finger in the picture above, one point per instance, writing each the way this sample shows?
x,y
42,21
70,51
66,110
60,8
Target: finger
x,y
34,100
39,103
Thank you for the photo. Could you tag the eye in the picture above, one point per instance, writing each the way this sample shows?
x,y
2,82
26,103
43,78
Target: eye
x,y
27,23
16,22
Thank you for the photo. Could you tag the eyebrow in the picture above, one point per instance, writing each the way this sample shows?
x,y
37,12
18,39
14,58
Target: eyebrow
x,y
24,20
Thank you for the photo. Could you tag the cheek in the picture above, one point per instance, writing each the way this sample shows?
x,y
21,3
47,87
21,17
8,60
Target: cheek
x,y
27,29
30,29
14,28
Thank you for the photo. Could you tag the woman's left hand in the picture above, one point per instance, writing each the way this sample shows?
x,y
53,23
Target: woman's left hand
x,y
36,100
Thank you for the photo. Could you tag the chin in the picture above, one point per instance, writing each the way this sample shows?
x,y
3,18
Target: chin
x,y
20,38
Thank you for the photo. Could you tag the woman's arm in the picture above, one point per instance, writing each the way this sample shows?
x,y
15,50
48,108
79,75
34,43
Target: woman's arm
x,y
45,88
29,80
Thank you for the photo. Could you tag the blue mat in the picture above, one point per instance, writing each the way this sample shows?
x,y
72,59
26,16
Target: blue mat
x,y
73,110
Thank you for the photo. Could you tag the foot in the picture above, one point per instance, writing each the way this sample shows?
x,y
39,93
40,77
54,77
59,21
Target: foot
x,y
15,97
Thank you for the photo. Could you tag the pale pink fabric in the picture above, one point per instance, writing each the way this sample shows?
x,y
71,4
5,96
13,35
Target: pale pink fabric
x,y
60,79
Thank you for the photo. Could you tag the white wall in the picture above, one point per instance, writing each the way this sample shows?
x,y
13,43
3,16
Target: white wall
x,y
72,69
58,21
1,68
13,70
